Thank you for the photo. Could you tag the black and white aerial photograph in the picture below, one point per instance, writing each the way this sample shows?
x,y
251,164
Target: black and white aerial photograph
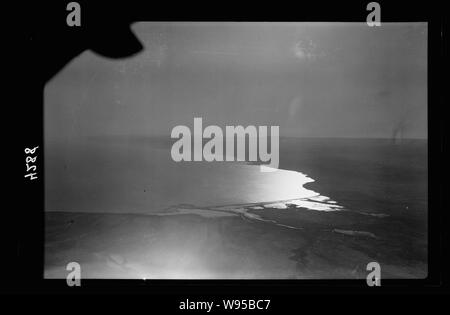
x,y
241,150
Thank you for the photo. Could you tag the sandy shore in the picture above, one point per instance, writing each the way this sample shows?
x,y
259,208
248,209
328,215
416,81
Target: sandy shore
x,y
251,242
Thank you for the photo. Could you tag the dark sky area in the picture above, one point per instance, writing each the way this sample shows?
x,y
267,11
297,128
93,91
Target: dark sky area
x,y
311,79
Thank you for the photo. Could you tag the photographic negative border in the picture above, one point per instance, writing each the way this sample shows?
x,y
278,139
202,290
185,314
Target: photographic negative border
x,y
45,44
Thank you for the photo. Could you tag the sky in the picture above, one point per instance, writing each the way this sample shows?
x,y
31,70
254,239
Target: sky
x,y
311,79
